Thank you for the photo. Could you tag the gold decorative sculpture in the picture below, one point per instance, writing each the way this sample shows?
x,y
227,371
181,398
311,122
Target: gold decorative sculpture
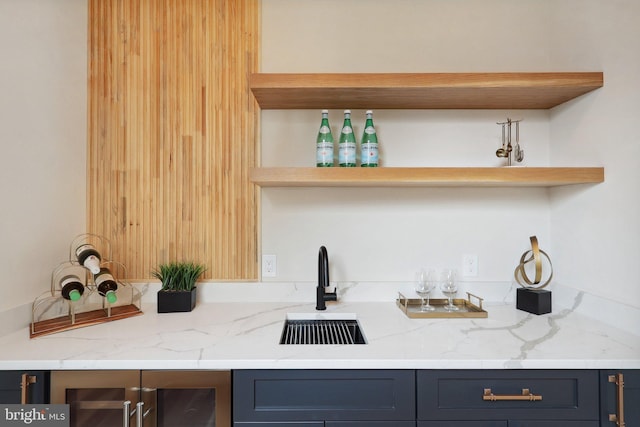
x,y
531,297
534,255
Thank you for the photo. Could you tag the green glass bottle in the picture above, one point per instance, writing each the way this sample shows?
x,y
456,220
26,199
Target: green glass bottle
x,y
324,143
347,144
369,144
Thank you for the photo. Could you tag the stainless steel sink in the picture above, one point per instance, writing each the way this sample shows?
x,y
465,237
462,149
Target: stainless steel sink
x,y
338,328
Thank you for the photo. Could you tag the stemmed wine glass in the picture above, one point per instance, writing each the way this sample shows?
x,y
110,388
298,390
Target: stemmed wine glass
x,y
424,285
449,288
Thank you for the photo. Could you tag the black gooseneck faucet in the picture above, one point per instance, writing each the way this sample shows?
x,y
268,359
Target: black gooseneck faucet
x,y
323,281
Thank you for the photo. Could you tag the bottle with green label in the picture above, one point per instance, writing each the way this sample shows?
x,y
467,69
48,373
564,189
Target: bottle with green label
x,y
369,144
347,144
324,143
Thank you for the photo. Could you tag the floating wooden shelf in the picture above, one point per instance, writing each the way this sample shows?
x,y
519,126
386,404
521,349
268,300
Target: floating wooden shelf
x,y
426,177
421,90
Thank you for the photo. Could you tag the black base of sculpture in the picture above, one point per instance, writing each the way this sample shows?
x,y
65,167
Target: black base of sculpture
x,y
533,300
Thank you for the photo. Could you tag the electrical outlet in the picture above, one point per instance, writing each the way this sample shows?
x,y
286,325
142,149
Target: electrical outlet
x,y
470,265
269,266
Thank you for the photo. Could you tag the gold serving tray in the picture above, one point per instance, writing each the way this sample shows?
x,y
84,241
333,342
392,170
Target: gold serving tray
x,y
466,309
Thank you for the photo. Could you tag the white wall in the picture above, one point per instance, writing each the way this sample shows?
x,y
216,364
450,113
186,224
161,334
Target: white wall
x,y
386,234
596,230
590,231
43,48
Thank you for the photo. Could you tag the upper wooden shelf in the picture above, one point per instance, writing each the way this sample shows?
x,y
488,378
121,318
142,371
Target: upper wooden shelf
x,y
426,177
421,90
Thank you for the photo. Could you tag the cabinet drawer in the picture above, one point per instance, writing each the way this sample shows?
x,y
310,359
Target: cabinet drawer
x,y
312,395
370,424
463,424
459,395
561,423
280,424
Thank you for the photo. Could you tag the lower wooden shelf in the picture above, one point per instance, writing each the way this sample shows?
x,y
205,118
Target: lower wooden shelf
x,y
426,177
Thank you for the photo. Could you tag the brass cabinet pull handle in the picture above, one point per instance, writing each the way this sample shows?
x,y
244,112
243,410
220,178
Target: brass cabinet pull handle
x,y
526,395
618,418
24,387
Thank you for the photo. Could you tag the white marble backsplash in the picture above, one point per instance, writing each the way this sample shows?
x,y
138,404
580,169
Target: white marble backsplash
x,y
347,291
625,317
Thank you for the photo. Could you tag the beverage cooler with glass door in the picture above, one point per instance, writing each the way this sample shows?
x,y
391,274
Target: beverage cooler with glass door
x,y
144,398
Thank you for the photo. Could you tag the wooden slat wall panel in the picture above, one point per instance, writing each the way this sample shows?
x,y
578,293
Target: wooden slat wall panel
x,y
172,133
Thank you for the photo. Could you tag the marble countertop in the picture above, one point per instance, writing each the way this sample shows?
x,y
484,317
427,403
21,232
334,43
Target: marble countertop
x,y
239,335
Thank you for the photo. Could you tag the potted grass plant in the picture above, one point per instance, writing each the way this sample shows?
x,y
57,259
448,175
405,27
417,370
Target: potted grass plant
x,y
178,292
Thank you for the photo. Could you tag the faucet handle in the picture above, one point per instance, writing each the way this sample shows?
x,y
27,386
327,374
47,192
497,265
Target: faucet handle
x,y
324,294
331,293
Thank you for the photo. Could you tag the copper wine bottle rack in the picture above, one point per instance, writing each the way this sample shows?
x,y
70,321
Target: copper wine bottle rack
x,y
52,313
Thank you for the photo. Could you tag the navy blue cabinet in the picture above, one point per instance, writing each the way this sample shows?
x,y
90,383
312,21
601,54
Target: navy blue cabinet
x,y
620,398
462,424
556,423
423,398
507,398
370,424
24,387
281,424
551,423
331,398
328,424
507,423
